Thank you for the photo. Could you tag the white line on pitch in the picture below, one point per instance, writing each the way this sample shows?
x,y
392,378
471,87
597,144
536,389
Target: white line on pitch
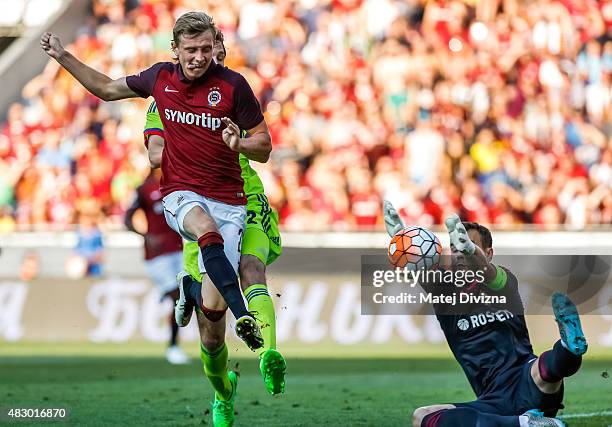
x,y
586,415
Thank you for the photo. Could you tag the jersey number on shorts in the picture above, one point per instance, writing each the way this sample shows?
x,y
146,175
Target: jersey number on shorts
x,y
251,217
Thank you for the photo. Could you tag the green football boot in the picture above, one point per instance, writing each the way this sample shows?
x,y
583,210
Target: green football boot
x,y
223,410
273,367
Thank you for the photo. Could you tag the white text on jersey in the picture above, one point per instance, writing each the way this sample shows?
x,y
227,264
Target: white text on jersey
x,y
204,120
482,319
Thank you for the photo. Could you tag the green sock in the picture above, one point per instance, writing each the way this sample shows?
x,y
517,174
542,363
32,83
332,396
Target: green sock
x,y
215,369
260,302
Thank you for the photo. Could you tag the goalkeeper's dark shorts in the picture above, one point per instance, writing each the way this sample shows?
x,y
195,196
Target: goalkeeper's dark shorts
x,y
515,394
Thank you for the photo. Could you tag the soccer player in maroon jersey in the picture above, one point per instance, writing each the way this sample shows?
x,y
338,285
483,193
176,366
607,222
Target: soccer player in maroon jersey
x,y
203,106
163,251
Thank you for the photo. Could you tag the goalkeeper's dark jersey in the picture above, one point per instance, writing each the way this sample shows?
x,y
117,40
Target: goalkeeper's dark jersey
x,y
488,340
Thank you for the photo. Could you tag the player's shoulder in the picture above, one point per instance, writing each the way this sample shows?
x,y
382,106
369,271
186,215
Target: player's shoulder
x,y
152,74
166,65
233,77
145,81
159,66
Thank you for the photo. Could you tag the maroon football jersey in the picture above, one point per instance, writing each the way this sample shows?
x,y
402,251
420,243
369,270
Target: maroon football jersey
x,y
195,158
160,238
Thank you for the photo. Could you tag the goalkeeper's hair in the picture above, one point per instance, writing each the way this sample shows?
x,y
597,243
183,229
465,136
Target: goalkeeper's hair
x,y
193,23
485,233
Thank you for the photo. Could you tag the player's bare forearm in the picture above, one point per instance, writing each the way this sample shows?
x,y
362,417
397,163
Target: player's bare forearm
x,y
155,150
95,82
257,147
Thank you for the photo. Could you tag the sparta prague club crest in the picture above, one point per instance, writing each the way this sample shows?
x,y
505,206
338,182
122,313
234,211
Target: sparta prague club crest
x,y
214,97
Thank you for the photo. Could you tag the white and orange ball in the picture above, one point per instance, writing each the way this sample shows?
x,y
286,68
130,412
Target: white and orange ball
x,y
415,248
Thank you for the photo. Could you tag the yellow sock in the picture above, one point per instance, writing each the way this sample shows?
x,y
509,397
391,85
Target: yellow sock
x,y
215,369
261,305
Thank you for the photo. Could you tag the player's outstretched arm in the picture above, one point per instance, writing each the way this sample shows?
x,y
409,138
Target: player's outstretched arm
x,y
256,147
155,148
95,82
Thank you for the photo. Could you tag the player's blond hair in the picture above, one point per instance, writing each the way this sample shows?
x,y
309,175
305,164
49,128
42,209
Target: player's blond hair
x,y
192,23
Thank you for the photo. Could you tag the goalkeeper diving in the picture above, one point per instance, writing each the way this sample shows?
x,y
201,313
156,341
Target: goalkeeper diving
x,y
513,386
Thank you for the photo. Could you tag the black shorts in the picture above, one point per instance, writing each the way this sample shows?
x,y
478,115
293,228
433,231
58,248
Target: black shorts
x,y
515,394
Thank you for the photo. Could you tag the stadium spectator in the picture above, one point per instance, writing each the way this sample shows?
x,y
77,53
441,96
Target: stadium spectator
x,y
90,246
498,110
30,266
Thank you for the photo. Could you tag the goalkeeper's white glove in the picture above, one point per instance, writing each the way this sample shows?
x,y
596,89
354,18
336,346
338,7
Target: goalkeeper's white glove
x,y
458,235
393,222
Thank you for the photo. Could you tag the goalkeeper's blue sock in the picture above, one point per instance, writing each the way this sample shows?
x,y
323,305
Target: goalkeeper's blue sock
x,y
558,363
468,417
221,272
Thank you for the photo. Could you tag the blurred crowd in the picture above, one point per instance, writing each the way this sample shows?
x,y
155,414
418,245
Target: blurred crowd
x,y
499,110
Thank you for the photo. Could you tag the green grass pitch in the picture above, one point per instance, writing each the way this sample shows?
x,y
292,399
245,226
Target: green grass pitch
x,y
133,385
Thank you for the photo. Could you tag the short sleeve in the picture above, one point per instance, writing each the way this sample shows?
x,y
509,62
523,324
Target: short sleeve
x,y
144,82
514,302
247,110
153,125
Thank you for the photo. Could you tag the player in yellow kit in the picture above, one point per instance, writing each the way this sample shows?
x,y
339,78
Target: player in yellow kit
x,y
261,245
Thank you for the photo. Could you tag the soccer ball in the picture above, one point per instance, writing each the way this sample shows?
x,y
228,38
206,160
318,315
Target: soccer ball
x,y
414,248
